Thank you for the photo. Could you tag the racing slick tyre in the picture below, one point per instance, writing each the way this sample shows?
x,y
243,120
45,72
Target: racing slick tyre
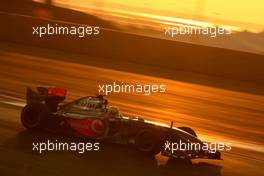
x,y
149,141
31,117
188,130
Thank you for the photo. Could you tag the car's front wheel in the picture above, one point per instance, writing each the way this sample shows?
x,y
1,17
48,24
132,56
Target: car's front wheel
x,y
148,141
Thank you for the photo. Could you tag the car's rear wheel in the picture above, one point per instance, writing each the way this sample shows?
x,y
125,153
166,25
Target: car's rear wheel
x,y
188,130
31,116
149,141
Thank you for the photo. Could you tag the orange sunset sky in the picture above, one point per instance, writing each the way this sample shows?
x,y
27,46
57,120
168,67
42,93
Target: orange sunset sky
x,y
246,14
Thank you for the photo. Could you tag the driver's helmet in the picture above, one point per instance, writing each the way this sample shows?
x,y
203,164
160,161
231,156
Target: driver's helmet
x,y
104,102
114,112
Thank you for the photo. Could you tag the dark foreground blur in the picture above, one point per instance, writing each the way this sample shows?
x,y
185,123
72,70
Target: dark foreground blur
x,y
109,160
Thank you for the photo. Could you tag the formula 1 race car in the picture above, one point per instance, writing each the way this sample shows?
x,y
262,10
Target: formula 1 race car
x,y
91,118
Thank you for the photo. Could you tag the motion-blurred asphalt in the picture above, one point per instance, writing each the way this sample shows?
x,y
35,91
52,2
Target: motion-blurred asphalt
x,y
216,114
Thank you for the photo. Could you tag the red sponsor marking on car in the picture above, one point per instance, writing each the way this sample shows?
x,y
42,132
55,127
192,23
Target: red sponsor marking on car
x,y
91,127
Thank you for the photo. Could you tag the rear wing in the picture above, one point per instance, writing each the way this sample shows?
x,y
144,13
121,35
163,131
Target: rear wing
x,y
51,96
